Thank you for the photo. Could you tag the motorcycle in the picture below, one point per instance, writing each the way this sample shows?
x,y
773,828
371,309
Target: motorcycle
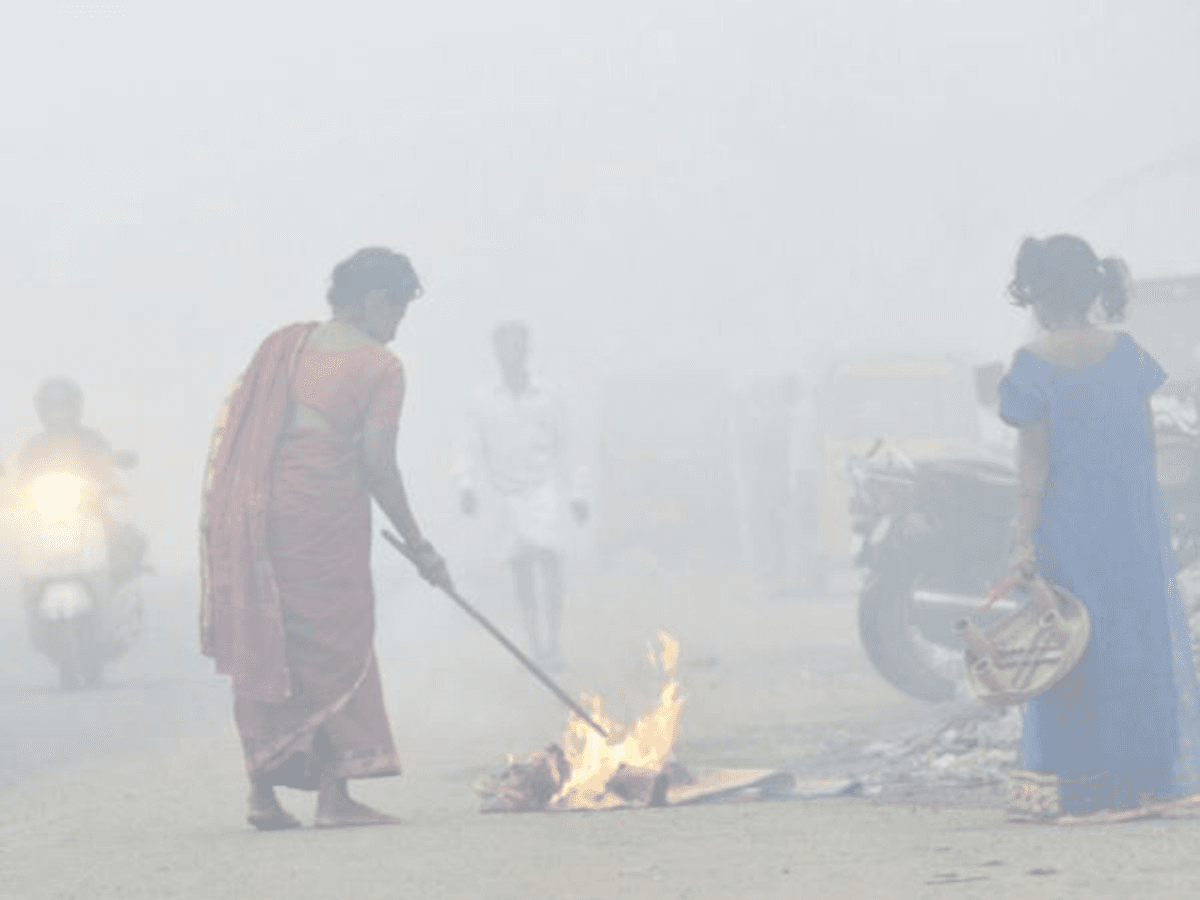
x,y
1177,446
933,536
1177,442
80,574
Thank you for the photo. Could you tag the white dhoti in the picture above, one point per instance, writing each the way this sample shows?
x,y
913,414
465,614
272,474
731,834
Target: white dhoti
x,y
531,520
517,451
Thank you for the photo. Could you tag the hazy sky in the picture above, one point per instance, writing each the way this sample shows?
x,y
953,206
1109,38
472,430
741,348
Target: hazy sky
x,y
739,187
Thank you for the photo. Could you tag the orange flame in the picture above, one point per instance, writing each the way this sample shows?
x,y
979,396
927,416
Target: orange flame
x,y
646,747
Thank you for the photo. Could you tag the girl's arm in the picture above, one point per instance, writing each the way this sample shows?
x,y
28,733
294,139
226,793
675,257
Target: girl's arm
x,y
1033,472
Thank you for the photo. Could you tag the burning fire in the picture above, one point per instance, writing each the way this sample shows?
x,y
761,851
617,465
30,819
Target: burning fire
x,y
640,753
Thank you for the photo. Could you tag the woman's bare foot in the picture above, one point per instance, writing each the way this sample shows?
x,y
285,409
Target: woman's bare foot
x,y
265,812
336,808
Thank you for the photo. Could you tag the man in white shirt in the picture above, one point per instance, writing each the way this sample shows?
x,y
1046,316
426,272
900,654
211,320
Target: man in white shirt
x,y
518,446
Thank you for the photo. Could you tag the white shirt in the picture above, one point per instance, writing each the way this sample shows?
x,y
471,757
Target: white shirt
x,y
518,443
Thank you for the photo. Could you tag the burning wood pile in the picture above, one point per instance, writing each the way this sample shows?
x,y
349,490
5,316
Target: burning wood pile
x,y
632,767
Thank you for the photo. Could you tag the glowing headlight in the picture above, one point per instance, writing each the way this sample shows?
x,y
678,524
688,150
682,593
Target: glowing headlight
x,y
57,494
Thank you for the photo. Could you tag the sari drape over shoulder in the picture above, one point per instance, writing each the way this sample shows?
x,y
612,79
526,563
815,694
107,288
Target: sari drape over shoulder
x,y
241,622
288,603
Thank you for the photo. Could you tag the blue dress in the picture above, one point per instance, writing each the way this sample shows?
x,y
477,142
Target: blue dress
x,y
1125,723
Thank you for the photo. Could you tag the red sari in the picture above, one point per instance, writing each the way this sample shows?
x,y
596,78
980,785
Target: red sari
x,y
288,606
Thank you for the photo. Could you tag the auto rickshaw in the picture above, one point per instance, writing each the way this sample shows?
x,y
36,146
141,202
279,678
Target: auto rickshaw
x,y
664,482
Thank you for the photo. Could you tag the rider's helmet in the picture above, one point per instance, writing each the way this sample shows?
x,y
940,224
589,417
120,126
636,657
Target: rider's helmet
x,y
59,403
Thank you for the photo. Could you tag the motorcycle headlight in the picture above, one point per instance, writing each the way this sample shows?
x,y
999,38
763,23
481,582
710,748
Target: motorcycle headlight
x,y
57,494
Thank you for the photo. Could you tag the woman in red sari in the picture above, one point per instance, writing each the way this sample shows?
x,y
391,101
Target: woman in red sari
x,y
305,441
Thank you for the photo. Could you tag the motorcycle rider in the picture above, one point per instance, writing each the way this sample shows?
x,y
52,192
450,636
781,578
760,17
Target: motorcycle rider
x,y
67,444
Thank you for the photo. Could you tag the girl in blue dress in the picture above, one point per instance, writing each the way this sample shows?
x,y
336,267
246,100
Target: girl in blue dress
x,y
1122,729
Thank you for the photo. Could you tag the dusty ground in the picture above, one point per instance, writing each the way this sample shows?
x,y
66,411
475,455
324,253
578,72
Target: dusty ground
x,y
770,684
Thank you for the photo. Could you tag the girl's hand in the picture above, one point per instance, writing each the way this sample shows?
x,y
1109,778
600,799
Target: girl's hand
x,y
1022,568
1024,561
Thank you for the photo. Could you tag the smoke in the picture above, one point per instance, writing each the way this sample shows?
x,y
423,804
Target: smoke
x,y
653,186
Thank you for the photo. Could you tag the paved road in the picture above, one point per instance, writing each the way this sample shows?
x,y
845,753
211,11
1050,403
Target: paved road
x,y
163,689
438,667
766,683
159,691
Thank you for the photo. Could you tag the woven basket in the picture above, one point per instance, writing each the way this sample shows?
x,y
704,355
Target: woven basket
x,y
1025,654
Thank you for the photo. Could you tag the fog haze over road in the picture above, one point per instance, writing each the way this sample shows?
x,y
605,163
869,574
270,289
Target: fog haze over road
x,y
707,193
709,185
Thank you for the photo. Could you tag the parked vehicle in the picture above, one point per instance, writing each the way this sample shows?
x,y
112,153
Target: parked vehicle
x,y
80,574
925,407
934,536
664,475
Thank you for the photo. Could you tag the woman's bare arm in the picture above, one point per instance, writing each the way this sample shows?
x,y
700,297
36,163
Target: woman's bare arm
x,y
387,486
379,458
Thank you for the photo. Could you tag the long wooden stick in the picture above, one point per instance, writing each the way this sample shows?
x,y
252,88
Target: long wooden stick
x,y
505,642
